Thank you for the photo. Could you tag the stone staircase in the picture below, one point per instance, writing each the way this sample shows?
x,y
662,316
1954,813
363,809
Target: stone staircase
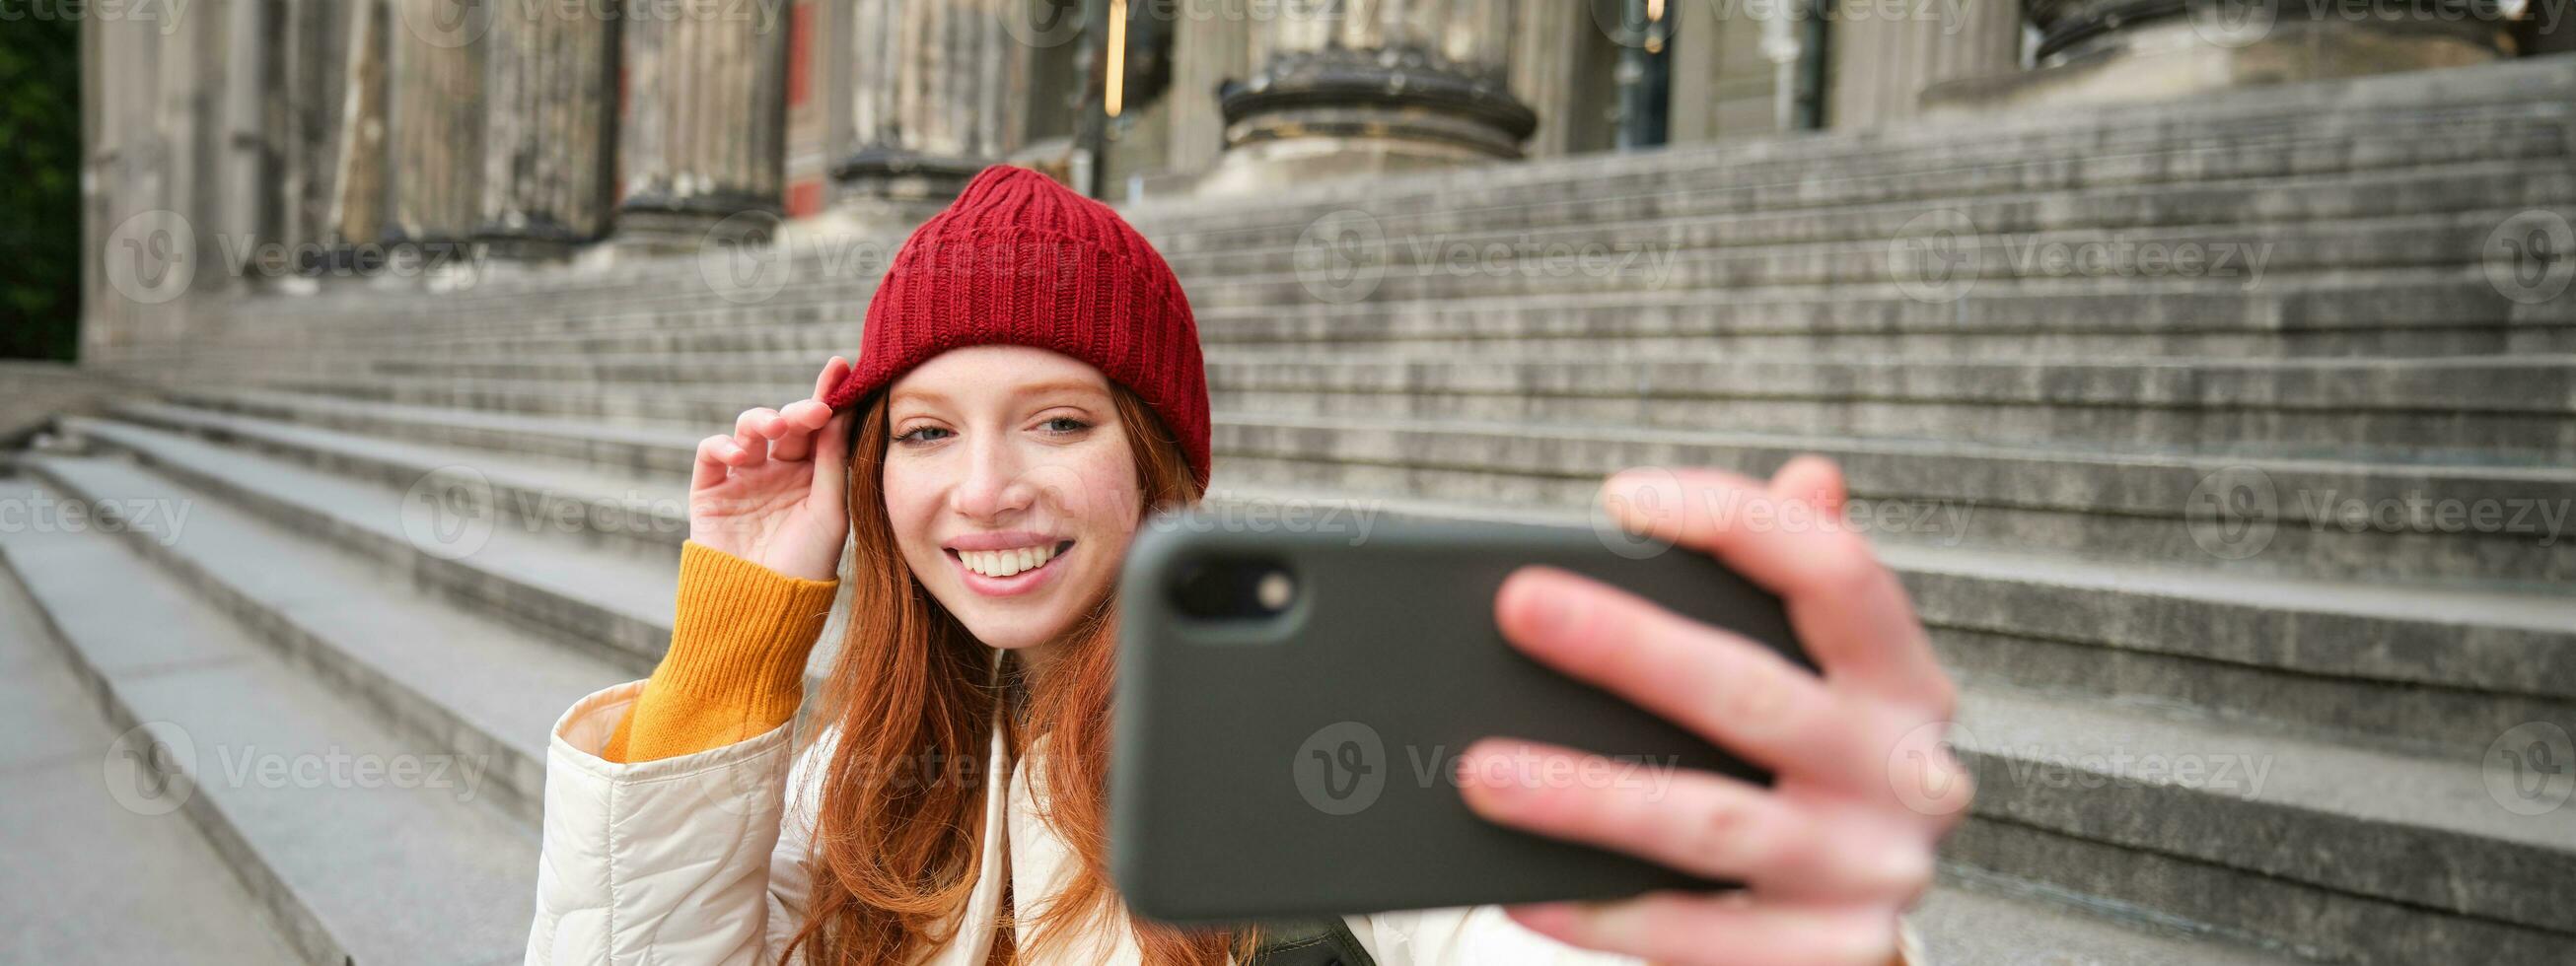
x,y
2217,715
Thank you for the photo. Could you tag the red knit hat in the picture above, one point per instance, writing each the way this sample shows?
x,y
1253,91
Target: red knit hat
x,y
1018,259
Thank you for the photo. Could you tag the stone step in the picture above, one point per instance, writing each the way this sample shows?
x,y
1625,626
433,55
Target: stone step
x,y
1933,263
2436,523
2408,313
1978,918
2432,671
84,880
2360,854
2458,309
2507,408
2443,673
605,509
2260,182
363,844
1967,156
609,603
2337,518
423,667
1634,185
2520,407
2250,203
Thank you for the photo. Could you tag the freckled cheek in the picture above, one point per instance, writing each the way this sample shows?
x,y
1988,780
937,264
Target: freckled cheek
x,y
911,506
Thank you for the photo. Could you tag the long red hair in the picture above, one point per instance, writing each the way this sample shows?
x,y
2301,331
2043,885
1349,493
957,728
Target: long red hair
x,y
911,695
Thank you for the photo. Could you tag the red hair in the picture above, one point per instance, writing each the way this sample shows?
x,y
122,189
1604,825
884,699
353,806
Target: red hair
x,y
910,691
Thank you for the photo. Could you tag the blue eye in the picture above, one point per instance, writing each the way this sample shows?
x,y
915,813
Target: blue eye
x,y
1066,424
914,436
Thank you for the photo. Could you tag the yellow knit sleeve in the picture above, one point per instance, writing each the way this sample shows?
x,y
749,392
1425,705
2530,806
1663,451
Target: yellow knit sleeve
x,y
736,666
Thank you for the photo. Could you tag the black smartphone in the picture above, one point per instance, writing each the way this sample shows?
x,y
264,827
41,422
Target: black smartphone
x,y
1291,706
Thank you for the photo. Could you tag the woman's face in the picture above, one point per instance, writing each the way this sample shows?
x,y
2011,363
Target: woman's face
x,y
1011,488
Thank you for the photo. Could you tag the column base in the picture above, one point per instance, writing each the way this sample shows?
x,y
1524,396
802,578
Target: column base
x,y
2175,57
648,225
885,191
1339,113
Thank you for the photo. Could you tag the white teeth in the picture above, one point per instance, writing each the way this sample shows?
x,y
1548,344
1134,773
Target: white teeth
x,y
1004,563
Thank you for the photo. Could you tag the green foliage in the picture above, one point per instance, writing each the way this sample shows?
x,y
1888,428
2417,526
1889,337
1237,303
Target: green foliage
x,y
40,203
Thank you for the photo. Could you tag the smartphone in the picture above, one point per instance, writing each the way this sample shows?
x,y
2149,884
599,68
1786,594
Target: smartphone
x,y
1291,707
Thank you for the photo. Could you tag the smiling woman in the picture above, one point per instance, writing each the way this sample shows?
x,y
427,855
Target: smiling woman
x,y
1029,388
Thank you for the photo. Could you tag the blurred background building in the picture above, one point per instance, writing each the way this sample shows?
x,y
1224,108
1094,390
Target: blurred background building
x,y
2205,366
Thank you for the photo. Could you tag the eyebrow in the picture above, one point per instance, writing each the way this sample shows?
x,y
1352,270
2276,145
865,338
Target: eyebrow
x,y
1060,385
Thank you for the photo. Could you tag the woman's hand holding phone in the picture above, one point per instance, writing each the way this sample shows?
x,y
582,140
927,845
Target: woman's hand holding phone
x,y
772,491
1843,841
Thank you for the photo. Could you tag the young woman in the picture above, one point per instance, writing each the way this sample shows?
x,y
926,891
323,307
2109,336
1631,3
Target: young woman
x,y
1029,387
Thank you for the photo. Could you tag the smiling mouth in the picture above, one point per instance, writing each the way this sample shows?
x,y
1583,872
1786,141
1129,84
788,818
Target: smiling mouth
x,y
1002,564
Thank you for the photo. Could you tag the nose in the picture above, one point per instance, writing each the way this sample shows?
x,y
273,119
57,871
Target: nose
x,y
996,483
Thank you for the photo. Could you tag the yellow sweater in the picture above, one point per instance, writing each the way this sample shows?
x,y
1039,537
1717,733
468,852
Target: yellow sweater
x,y
736,667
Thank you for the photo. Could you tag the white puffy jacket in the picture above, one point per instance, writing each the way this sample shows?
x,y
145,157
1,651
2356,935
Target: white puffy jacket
x,y
701,859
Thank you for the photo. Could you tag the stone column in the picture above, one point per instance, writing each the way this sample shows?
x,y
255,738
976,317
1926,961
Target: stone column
x,y
935,91
316,68
435,118
1883,65
358,202
1372,87
549,104
704,130
2100,51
